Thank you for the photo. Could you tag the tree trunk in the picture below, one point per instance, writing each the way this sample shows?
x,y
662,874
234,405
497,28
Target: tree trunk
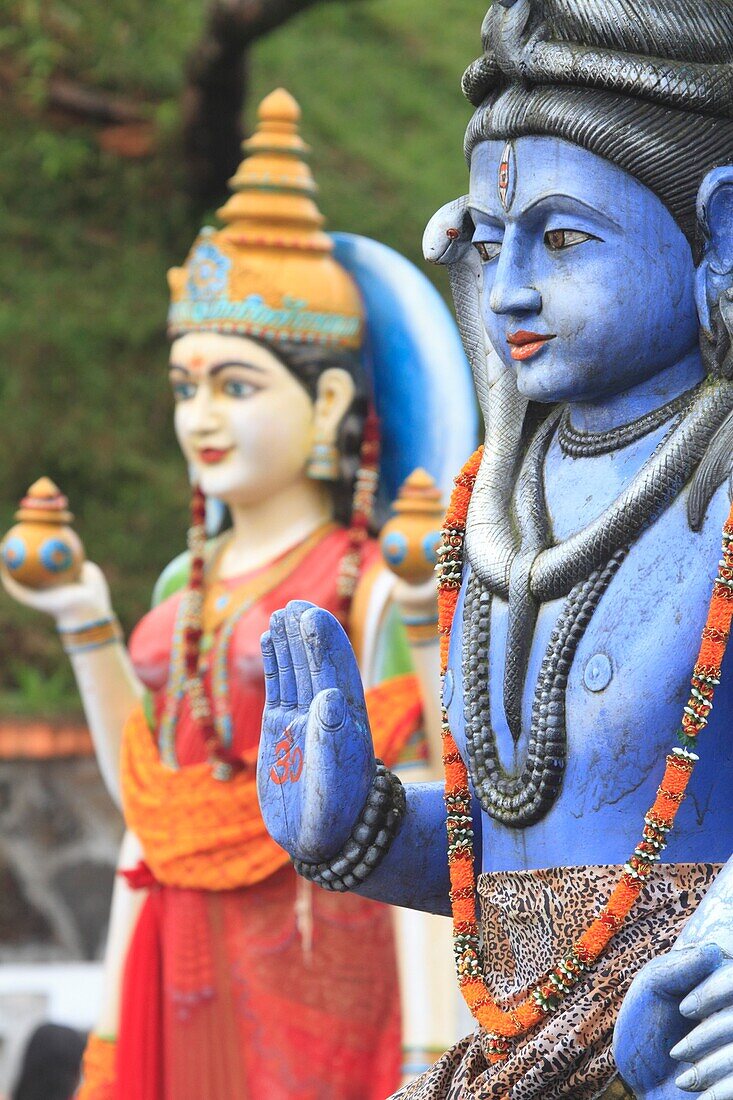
x,y
216,89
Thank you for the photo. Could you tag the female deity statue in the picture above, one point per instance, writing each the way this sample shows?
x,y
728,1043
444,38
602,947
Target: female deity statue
x,y
227,976
592,271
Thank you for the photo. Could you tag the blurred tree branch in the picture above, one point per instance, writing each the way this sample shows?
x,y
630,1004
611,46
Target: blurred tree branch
x,y
92,103
216,88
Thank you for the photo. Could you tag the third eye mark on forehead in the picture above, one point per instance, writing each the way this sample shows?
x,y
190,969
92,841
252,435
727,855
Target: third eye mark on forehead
x,y
217,368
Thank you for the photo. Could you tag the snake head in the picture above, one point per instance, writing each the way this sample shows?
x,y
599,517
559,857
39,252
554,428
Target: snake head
x,y
448,233
510,37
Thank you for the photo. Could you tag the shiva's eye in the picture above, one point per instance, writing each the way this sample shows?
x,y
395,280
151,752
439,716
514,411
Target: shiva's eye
x,y
184,391
235,387
487,250
558,239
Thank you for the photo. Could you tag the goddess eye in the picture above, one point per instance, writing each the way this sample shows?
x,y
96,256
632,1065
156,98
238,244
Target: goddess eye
x,y
559,239
235,387
487,250
184,391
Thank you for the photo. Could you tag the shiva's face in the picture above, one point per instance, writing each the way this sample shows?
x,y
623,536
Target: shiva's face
x,y
587,280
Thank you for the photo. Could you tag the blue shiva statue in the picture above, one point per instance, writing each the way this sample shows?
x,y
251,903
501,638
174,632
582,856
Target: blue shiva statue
x,y
592,271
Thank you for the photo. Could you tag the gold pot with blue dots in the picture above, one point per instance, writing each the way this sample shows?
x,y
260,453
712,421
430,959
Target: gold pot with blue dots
x,y
410,539
42,550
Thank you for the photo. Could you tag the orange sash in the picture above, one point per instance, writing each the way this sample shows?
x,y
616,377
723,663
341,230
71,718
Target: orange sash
x,y
196,831
98,1070
203,834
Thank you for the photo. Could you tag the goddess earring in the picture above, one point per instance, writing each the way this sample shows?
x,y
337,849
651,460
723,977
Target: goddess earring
x,y
323,462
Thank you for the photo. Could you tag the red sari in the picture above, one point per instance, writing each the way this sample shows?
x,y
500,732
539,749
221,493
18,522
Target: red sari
x,y
272,991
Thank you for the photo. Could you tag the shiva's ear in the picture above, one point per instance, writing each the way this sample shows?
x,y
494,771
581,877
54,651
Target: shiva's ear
x,y
714,276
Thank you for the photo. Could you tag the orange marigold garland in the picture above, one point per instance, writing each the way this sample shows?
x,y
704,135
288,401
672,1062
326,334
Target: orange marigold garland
x,y
503,1026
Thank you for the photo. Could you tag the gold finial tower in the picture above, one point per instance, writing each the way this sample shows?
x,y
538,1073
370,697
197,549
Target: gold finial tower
x,y
269,271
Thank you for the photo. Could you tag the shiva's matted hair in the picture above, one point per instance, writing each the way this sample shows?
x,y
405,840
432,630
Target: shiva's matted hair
x,y
648,85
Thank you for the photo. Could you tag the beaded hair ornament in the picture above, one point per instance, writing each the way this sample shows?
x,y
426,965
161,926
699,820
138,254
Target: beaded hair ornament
x,y
251,278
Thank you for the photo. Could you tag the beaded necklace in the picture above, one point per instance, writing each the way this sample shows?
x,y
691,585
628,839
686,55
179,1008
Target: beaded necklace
x,y
582,444
505,1026
217,654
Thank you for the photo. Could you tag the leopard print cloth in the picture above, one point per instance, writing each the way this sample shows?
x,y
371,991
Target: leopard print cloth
x,y
529,920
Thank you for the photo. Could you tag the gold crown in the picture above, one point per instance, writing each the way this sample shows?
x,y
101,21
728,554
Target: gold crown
x,y
269,271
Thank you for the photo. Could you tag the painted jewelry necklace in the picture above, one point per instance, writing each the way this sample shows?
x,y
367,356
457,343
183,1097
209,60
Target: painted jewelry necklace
x,y
186,666
502,1026
217,654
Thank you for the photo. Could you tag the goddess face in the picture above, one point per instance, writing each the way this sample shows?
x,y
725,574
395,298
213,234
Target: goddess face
x,y
244,423
588,282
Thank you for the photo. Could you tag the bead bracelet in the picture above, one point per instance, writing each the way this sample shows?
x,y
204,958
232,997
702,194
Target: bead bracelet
x,y
420,629
369,841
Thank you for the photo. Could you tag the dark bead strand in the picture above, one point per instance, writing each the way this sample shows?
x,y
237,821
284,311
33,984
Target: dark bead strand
x,y
369,840
579,444
523,799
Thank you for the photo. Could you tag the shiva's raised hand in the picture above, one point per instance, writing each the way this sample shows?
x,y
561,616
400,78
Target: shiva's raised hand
x,y
316,761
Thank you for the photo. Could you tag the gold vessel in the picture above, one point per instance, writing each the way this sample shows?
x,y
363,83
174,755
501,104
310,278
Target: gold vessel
x,y
42,550
410,539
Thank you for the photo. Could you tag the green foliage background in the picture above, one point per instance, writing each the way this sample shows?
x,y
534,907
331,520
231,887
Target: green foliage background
x,y
88,237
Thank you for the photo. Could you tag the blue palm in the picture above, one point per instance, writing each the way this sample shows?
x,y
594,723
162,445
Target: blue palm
x,y
316,760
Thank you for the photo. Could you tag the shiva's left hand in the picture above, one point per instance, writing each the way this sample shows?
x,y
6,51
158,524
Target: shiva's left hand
x,y
679,1009
708,1048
